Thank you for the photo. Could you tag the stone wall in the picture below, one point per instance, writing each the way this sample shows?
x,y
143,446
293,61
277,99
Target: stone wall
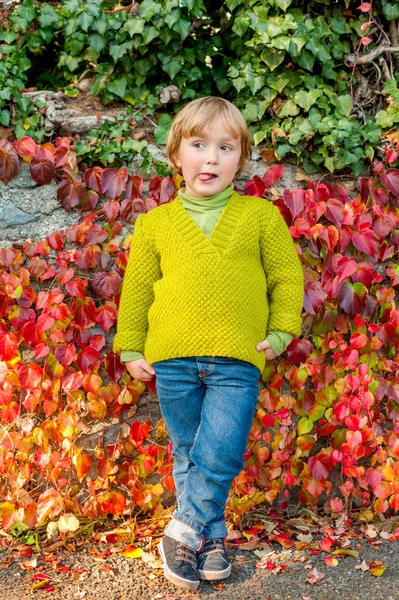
x,y
29,210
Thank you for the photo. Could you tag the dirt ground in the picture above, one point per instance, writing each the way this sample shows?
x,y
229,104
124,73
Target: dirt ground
x,y
94,570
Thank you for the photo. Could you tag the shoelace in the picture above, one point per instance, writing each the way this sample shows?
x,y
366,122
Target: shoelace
x,y
212,546
186,554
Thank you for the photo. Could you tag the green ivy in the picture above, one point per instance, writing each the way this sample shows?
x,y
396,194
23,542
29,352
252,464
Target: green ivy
x,y
281,64
111,144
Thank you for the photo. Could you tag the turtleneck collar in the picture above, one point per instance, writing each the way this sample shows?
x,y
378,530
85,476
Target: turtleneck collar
x,y
206,202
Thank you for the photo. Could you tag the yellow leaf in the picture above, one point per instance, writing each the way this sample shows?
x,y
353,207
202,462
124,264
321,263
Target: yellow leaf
x,y
378,571
331,561
132,552
346,552
301,176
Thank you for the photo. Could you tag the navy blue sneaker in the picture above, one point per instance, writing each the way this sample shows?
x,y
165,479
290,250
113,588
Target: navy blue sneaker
x,y
179,563
213,562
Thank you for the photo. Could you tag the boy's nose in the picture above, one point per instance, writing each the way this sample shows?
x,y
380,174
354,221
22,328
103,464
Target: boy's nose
x,y
212,158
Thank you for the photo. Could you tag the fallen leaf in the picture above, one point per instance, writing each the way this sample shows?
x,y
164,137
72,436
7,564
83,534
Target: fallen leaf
x,y
345,552
315,576
300,176
68,522
132,552
331,561
307,538
218,586
268,156
363,566
378,571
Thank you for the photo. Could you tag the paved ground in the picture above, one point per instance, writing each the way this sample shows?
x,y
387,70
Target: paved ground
x,y
97,571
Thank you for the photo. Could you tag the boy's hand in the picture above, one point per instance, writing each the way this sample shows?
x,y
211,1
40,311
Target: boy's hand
x,y
140,369
265,345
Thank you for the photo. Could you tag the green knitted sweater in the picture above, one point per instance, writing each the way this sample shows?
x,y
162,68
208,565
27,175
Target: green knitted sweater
x,y
186,295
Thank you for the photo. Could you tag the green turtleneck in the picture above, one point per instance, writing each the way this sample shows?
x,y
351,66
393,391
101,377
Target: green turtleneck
x,y
205,212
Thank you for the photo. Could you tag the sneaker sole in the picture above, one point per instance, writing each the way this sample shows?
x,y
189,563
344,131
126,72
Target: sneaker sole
x,y
184,583
214,575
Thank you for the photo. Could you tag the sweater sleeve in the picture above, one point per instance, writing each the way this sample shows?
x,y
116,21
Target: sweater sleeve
x,y
142,271
284,275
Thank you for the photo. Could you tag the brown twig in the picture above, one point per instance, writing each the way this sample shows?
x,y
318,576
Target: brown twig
x,y
354,59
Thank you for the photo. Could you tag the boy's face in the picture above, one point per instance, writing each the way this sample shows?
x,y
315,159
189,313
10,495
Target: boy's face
x,y
209,161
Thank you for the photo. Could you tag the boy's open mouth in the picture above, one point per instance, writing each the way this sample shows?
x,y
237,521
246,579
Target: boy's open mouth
x,y
207,177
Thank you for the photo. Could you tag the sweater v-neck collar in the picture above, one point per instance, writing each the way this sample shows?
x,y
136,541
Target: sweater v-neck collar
x,y
222,233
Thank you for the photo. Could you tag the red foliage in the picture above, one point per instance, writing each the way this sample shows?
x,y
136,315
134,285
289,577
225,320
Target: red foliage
x,y
337,386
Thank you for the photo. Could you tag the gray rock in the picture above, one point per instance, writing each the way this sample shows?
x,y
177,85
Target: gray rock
x,y
29,210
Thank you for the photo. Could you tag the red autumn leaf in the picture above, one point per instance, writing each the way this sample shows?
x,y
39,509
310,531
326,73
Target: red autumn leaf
x,y
97,341
92,179
352,297
88,359
106,284
313,487
366,241
335,212
138,431
255,187
320,466
113,182
284,540
390,179
299,350
366,40
77,287
84,258
295,201
82,464
102,260
30,376
65,354
25,147
9,163
113,366
314,297
268,420
167,190
105,317
7,256
70,193
42,171
365,6
345,267
8,346
61,156
134,188
95,235
152,384
84,312
272,175
112,502
90,201
111,209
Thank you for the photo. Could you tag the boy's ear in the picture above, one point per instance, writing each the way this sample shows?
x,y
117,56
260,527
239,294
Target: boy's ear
x,y
177,161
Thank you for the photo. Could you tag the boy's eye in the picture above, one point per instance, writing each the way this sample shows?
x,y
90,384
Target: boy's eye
x,y
198,144
224,147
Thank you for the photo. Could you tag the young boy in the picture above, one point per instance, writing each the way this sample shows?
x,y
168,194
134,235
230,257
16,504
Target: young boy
x,y
213,286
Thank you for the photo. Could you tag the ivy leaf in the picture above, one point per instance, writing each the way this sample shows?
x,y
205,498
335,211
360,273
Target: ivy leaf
x,y
161,132
307,99
113,182
295,201
305,425
9,163
172,68
134,26
299,351
255,187
314,297
106,284
389,179
352,297
118,86
8,346
70,193
112,502
88,359
272,175
272,57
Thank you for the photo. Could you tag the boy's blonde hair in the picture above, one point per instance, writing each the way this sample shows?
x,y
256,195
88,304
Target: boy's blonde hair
x,y
197,117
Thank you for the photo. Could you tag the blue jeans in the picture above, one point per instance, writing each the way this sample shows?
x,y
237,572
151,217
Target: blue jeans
x,y
208,404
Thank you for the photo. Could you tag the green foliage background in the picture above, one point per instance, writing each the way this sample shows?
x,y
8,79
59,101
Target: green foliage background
x,y
282,62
